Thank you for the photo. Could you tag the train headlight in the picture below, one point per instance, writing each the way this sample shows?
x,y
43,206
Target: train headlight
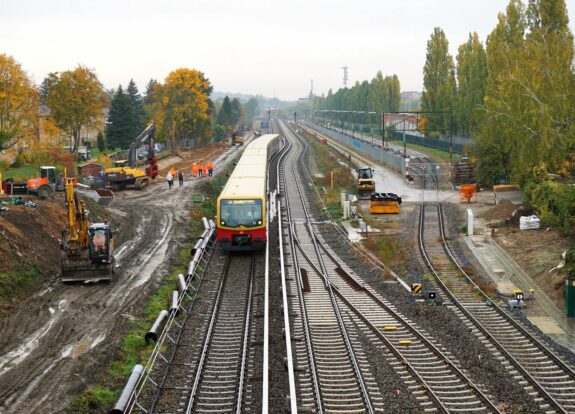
x,y
259,222
222,222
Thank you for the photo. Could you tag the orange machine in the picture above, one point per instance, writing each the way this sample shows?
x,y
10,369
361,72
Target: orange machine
x,y
384,203
467,191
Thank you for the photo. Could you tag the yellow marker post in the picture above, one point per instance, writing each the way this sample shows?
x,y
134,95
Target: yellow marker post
x,y
331,174
416,288
1,188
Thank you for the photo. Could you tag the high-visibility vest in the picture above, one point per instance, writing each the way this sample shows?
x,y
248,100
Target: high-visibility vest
x,y
195,170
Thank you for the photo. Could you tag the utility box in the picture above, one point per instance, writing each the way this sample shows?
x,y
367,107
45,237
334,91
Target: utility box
x,y
570,296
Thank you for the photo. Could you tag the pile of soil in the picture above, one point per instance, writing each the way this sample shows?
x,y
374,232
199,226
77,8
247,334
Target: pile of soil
x,y
503,210
33,234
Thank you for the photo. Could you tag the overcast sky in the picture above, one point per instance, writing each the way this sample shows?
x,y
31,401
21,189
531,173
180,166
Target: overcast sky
x,y
250,46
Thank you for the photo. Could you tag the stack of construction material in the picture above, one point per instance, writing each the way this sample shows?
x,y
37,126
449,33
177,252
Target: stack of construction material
x,y
463,172
529,223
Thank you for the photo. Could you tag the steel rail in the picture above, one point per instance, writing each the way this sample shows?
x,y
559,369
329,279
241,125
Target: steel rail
x,y
309,346
209,335
502,312
209,246
477,324
247,333
343,329
412,329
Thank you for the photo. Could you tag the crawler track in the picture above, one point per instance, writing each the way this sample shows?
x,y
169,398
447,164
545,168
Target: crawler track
x,y
547,378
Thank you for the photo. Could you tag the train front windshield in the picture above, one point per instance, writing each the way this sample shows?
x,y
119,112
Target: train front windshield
x,y
235,213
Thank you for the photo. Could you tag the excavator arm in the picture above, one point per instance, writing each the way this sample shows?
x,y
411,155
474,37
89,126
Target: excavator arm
x,y
77,220
146,135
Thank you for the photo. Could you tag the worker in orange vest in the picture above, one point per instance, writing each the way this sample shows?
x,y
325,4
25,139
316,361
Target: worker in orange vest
x,y
173,172
195,169
200,169
210,168
205,168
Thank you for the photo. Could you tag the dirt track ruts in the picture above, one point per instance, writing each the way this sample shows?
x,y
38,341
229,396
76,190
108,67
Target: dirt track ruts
x,y
63,337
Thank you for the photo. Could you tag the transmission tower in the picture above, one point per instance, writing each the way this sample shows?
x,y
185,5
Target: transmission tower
x,y
344,76
311,90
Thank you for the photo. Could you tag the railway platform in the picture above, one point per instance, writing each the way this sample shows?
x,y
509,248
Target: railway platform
x,y
508,275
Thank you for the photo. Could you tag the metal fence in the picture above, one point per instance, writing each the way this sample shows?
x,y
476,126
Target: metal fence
x,y
461,144
366,146
437,143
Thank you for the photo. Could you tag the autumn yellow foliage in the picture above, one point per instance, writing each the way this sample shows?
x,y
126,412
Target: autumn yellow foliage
x,y
18,105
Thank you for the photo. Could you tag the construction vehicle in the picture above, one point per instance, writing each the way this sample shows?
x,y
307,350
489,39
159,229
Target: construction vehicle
x,y
384,203
237,138
49,182
125,172
86,247
365,182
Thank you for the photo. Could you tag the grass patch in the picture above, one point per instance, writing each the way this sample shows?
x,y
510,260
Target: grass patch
x,y
134,350
328,161
437,154
16,274
22,173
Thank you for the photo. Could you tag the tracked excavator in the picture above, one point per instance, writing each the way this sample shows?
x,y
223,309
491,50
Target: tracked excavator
x,y
125,173
86,248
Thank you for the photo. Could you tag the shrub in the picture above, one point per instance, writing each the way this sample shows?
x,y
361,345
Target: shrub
x,y
555,203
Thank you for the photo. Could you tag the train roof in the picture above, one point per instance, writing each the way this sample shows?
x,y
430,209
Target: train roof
x,y
249,177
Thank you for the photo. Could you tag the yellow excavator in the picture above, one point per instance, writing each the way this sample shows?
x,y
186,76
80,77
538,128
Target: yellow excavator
x,y
86,247
125,173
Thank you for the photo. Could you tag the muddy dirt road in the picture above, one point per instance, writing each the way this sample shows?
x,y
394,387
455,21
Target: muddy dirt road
x,y
63,337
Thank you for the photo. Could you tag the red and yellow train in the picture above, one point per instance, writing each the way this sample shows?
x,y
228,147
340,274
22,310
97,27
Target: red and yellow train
x,y
241,209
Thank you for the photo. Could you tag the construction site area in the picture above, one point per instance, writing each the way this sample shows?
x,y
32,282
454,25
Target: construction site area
x,y
61,327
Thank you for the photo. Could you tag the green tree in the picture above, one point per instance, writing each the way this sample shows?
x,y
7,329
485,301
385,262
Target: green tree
x,y
439,86
472,81
18,104
530,95
101,142
225,115
251,108
236,112
76,100
119,125
137,114
219,132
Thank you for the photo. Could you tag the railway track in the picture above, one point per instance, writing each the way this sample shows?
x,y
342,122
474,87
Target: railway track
x,y
549,380
221,372
335,306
